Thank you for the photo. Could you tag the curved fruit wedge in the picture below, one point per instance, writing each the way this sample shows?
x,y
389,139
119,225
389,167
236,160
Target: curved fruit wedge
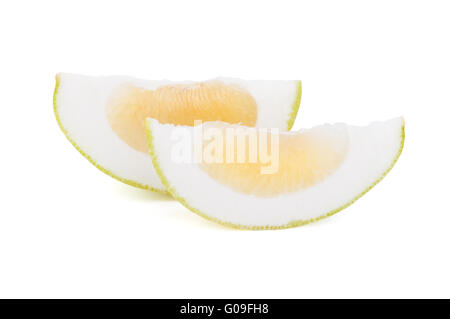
x,y
104,117
309,175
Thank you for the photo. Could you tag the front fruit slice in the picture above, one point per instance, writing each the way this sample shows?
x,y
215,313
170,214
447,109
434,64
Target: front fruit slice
x,y
318,172
104,117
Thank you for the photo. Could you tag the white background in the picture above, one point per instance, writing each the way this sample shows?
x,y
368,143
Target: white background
x,y
68,230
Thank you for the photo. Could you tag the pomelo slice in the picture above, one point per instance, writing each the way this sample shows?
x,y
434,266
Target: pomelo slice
x,y
104,117
320,172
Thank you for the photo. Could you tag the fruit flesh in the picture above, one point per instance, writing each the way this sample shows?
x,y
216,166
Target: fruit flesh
x,y
129,105
304,159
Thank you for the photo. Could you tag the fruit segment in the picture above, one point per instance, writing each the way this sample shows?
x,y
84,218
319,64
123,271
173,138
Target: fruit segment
x,y
320,172
104,117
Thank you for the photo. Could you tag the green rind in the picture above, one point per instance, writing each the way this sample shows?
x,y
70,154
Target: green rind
x,y
292,224
295,106
101,168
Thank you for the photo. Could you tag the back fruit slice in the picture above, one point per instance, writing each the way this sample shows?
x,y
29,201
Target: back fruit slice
x,y
104,117
320,171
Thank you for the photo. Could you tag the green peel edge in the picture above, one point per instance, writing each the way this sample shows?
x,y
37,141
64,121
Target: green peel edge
x,y
295,106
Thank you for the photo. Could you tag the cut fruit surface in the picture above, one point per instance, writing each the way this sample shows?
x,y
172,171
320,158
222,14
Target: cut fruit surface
x,y
177,104
104,117
302,160
319,172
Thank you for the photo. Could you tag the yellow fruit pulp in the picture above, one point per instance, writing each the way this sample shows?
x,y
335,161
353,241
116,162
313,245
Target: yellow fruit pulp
x,y
129,105
305,159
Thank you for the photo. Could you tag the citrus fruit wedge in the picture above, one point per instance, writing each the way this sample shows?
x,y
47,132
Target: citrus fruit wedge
x,y
310,174
104,117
